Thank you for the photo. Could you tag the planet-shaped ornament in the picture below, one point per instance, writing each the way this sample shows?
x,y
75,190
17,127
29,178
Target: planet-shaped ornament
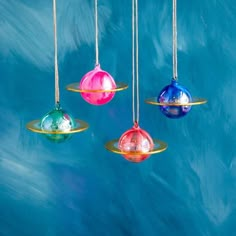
x,y
58,123
175,96
136,143
100,83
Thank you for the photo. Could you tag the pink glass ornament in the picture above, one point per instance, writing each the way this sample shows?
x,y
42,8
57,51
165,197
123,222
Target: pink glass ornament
x,y
97,80
137,143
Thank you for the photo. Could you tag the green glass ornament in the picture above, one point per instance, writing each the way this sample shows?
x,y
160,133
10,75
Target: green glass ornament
x,y
58,121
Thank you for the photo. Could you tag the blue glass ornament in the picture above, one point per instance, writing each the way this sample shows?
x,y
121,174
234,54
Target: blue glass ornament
x,y
175,96
58,121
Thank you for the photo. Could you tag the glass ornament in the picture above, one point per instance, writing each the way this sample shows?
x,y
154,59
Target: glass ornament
x,y
136,142
113,146
58,121
174,93
99,81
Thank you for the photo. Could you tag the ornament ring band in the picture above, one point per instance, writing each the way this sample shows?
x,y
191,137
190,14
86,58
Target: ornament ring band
x,y
158,147
76,88
192,102
35,126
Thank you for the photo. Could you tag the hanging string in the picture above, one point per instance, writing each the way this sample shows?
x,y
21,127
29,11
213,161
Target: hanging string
x,y
137,68
174,28
135,61
96,31
57,92
133,69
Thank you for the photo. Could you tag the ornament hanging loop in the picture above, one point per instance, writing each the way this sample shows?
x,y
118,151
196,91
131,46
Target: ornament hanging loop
x,y
136,125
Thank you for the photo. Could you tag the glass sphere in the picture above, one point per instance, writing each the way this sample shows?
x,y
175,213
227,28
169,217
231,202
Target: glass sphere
x,y
57,120
97,79
137,143
174,93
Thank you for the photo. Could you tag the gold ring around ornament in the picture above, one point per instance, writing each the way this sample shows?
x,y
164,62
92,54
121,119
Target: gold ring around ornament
x,y
75,88
159,146
34,126
193,102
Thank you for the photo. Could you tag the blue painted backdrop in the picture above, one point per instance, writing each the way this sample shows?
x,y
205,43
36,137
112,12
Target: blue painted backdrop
x,y
78,188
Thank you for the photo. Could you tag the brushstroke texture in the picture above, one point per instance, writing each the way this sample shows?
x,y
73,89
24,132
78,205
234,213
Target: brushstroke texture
x,y
78,188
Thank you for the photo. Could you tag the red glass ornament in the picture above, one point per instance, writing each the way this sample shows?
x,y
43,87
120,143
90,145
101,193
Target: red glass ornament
x,y
136,143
